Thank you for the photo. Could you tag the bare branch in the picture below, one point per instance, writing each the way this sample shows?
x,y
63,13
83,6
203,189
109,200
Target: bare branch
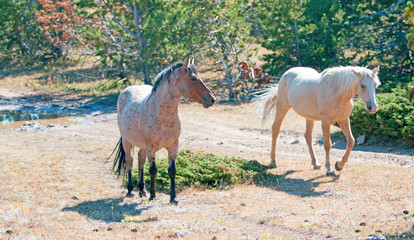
x,y
118,22
384,12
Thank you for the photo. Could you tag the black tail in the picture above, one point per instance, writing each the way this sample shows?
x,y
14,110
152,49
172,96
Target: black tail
x,y
120,159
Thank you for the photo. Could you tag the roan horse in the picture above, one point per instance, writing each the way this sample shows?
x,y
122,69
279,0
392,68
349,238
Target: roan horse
x,y
325,97
148,119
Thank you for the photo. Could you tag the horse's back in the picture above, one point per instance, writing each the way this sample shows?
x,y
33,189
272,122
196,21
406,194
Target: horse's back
x,y
136,93
302,91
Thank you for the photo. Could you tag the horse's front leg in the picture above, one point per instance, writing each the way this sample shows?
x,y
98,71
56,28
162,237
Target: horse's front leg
x,y
326,130
172,171
141,163
308,138
346,129
153,170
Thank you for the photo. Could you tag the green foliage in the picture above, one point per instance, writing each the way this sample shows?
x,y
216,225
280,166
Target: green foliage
x,y
376,36
409,19
206,170
20,34
139,38
394,119
322,34
301,33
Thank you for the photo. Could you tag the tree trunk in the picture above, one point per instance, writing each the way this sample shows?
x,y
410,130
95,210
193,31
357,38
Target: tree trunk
x,y
297,44
147,74
229,81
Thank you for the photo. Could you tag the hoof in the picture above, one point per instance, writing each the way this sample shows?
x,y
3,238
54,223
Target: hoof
x,y
330,173
130,195
337,167
142,194
174,201
273,165
152,197
317,167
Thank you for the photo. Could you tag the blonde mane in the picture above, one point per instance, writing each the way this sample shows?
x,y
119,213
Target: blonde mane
x,y
344,80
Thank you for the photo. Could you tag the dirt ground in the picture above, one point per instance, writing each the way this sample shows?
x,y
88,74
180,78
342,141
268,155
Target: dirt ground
x,y
55,182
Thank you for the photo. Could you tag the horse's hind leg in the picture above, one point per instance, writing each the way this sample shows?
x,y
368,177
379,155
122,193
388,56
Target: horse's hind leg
x,y
282,107
152,171
346,129
308,138
129,161
141,163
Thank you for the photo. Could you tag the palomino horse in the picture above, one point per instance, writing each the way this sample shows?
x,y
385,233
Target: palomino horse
x,y
148,119
325,97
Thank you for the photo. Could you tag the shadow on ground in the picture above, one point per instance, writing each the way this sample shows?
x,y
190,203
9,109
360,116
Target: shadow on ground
x,y
63,103
297,186
406,235
286,183
340,143
109,210
72,76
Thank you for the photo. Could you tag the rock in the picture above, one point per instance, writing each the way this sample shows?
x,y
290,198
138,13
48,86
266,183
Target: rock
x,y
363,224
50,125
75,198
32,127
220,143
30,124
406,212
361,140
296,141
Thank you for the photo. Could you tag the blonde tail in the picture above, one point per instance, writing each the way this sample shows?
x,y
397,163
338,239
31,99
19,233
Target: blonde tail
x,y
265,101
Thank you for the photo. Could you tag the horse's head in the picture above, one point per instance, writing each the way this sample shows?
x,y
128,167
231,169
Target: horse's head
x,y
366,89
191,86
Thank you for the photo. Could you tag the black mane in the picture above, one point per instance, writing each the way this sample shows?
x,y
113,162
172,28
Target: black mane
x,y
166,73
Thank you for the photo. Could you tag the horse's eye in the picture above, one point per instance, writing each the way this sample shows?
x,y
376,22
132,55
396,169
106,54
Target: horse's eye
x,y
194,79
362,86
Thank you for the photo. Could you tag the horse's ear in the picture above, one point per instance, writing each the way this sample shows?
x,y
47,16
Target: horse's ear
x,y
192,61
375,70
186,65
356,73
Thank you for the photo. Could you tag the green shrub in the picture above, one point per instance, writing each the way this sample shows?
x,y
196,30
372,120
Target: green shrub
x,y
207,170
394,119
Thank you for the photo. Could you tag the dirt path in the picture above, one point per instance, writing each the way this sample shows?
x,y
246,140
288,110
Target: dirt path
x,y
55,184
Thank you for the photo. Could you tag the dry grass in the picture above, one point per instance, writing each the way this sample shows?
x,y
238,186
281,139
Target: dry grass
x,y
55,184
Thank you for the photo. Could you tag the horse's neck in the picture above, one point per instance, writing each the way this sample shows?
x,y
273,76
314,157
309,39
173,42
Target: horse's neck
x,y
165,101
345,98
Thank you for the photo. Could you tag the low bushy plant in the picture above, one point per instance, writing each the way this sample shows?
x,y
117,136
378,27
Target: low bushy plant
x,y
206,170
394,119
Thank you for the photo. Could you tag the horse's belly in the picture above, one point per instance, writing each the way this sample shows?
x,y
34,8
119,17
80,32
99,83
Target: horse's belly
x,y
303,100
308,115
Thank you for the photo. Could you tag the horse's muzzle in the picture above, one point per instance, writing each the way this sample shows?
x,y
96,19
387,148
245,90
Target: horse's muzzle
x,y
208,101
372,109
